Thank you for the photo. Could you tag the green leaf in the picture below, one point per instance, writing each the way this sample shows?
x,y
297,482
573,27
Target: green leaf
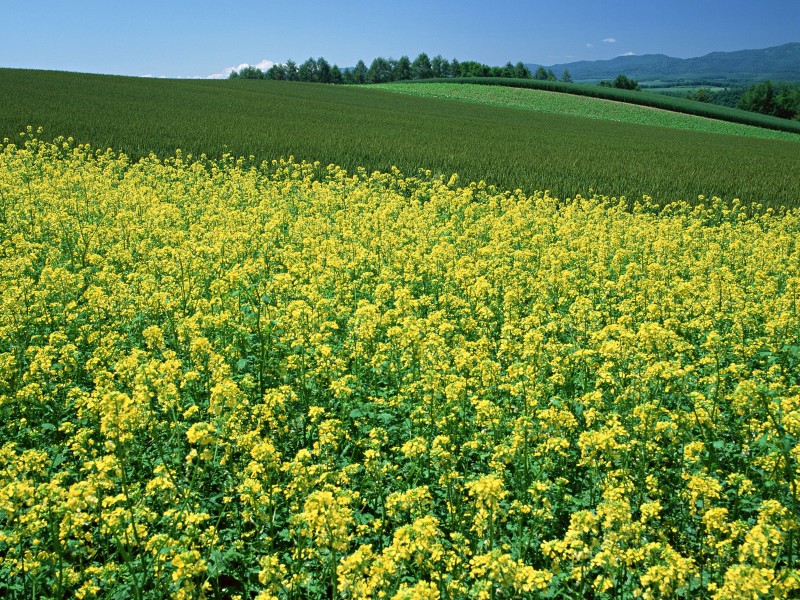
x,y
58,460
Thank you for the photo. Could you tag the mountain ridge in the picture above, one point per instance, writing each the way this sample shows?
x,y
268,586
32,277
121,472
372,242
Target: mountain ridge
x,y
780,63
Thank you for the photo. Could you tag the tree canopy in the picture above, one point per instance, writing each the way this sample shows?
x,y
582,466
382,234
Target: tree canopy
x,y
769,99
622,82
384,70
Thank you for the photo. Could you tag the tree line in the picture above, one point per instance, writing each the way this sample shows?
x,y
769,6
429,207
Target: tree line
x,y
382,70
774,99
622,82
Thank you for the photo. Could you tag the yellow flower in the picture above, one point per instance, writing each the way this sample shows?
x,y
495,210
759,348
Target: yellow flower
x,y
201,434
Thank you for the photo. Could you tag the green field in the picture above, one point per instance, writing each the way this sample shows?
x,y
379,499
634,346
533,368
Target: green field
x,y
376,130
660,89
640,98
582,106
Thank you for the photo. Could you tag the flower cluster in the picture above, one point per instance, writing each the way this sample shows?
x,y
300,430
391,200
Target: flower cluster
x,y
282,380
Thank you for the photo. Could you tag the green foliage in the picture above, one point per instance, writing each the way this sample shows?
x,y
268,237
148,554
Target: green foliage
x,y
700,95
471,68
725,97
402,69
248,72
314,70
440,66
276,73
374,129
759,98
336,76
420,69
780,99
360,72
764,98
383,70
621,82
308,70
543,74
291,71
455,68
323,71
787,103
521,71
380,71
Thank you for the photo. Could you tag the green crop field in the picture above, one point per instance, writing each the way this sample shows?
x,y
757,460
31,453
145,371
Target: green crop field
x,y
582,106
661,88
640,98
377,130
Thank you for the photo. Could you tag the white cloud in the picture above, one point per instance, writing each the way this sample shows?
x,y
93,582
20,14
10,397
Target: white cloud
x,y
589,45
224,74
629,53
263,66
609,40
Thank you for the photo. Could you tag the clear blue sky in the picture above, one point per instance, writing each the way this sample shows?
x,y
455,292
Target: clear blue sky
x,y
181,38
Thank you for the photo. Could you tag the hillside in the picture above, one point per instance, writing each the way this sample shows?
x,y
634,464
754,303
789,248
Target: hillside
x,y
631,97
378,130
777,63
560,102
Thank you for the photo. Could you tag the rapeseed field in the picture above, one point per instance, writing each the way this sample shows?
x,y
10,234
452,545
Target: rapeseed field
x,y
232,379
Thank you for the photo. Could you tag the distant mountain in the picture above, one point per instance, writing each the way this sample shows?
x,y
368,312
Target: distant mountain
x,y
779,63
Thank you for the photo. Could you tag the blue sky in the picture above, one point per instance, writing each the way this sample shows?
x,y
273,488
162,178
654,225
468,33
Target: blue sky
x,y
199,38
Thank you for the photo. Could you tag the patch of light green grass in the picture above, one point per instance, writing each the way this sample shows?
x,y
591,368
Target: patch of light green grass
x,y
581,106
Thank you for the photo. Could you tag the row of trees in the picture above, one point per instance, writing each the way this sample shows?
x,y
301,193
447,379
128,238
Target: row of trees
x,y
383,70
622,82
768,99
543,74
778,100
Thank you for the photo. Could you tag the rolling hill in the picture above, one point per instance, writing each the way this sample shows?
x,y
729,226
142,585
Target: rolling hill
x,y
370,129
619,107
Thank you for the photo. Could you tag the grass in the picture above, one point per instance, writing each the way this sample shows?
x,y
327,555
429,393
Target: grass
x,y
681,88
583,106
642,98
377,130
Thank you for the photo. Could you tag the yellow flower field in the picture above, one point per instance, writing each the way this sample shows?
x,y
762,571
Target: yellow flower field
x,y
222,379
